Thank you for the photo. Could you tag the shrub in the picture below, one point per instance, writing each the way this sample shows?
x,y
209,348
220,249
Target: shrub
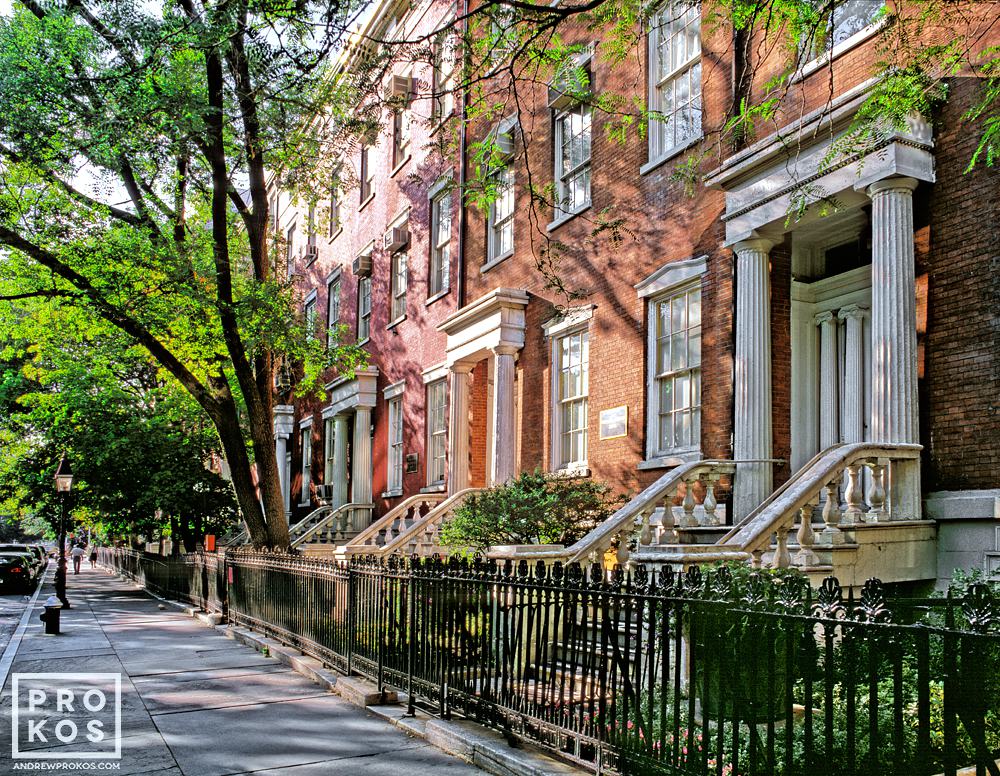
x,y
533,508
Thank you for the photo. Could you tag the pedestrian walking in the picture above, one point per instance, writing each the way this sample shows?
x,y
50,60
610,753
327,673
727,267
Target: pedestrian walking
x,y
93,557
77,554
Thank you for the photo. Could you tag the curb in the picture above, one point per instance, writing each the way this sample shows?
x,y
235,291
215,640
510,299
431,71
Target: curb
x,y
10,652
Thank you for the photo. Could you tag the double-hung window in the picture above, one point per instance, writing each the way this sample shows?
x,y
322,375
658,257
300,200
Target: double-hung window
x,y
675,390
364,308
443,86
328,448
306,437
571,355
332,306
501,216
290,252
394,478
309,318
335,204
437,432
440,244
572,138
397,284
675,77
839,21
365,174
400,136
311,234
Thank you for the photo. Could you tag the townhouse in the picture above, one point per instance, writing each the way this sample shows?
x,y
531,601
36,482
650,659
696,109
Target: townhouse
x,y
728,335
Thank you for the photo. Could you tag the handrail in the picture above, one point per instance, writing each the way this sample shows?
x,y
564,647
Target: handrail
x,y
601,537
387,519
754,532
427,521
335,513
306,522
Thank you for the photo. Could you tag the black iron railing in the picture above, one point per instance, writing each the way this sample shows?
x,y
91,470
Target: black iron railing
x,y
195,578
653,674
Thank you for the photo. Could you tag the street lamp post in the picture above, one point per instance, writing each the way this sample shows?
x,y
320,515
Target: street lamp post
x,y
64,482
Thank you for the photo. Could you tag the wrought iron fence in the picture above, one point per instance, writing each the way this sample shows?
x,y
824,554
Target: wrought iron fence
x,y
723,672
196,578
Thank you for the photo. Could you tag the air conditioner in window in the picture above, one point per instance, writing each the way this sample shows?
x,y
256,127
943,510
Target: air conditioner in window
x,y
400,88
363,265
396,239
570,85
309,255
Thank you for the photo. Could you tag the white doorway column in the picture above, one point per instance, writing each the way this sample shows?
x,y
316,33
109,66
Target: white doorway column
x,y
502,415
339,494
752,385
361,457
894,411
829,380
458,428
853,417
284,417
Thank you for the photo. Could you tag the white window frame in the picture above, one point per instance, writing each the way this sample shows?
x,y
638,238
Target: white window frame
x,y
335,203
365,188
820,58
328,448
334,289
309,316
563,176
559,462
311,248
437,433
663,142
398,281
495,229
364,308
290,251
439,273
401,137
305,438
664,281
395,440
443,76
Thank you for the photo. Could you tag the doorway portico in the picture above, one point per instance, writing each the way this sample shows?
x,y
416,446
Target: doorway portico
x,y
491,328
847,220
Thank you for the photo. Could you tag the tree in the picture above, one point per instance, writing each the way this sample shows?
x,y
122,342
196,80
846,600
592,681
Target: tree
x,y
138,443
133,156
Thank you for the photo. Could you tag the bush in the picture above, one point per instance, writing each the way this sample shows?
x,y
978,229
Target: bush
x,y
533,508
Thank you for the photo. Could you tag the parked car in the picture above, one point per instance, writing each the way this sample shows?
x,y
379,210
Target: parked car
x,y
35,558
16,573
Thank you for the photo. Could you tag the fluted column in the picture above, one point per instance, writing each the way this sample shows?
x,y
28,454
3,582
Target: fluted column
x,y
894,409
458,428
361,457
339,496
284,420
752,422
504,422
852,421
829,429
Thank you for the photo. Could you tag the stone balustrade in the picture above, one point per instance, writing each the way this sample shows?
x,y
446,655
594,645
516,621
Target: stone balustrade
x,y
332,526
392,524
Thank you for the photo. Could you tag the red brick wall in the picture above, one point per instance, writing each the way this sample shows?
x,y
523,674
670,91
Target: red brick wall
x,y
960,398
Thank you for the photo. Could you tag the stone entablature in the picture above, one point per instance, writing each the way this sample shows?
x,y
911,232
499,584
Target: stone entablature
x,y
346,394
492,321
761,183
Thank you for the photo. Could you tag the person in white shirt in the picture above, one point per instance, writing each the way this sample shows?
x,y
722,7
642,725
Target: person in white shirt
x,y
77,554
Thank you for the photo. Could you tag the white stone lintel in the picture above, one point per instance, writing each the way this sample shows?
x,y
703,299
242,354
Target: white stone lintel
x,y
349,394
493,321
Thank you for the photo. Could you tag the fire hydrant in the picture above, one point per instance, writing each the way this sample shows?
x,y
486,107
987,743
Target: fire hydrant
x,y
53,607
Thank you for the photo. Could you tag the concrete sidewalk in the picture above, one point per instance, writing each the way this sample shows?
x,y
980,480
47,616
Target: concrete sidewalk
x,y
199,704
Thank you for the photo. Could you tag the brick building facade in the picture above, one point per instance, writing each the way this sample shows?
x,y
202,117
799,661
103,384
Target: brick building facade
x,y
715,324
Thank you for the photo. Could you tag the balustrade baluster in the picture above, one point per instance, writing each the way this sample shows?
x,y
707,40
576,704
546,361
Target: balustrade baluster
x,y
646,532
806,538
782,559
711,503
831,533
876,498
668,533
853,495
688,505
